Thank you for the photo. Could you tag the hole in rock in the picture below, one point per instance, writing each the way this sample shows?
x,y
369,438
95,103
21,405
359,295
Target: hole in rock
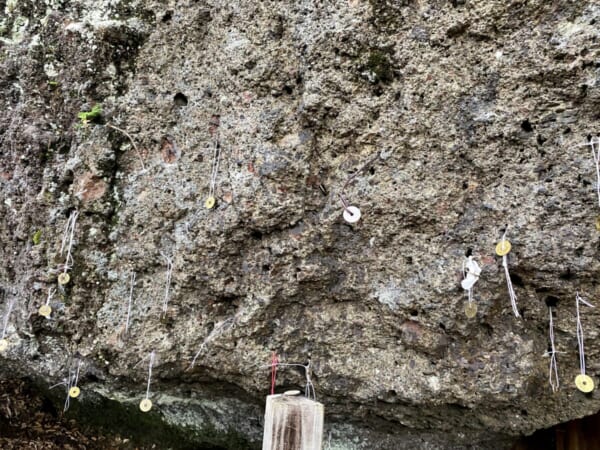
x,y
568,275
551,301
180,99
517,280
526,126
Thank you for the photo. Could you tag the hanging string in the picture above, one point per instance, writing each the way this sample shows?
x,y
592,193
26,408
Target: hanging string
x,y
129,302
169,262
69,382
511,290
502,249
595,146
274,362
110,125
149,374
69,385
309,390
310,387
68,237
351,213
11,303
51,292
345,203
553,371
215,168
216,331
77,373
579,299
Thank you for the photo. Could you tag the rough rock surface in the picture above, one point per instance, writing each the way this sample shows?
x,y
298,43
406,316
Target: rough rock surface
x,y
450,120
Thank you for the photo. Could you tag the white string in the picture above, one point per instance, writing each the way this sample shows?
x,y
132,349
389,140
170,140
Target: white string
x,y
7,315
578,299
69,382
309,391
68,238
149,374
50,295
351,178
129,303
215,165
77,373
217,331
596,156
168,282
69,385
511,291
553,371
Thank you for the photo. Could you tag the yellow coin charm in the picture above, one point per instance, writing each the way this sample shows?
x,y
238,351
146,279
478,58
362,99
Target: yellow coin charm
x,y
146,405
584,383
503,247
63,278
470,309
45,310
210,202
3,345
74,392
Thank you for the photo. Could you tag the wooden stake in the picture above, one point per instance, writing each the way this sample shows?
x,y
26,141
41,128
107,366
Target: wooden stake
x,y
292,422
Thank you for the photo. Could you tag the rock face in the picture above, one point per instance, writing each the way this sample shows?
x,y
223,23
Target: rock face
x,y
443,121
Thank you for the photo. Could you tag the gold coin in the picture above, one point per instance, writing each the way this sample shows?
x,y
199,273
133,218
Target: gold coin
x,y
503,247
146,405
45,310
210,202
64,278
584,383
470,309
3,345
74,392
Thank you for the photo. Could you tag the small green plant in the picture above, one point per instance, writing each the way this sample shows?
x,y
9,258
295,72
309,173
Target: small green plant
x,y
37,237
88,116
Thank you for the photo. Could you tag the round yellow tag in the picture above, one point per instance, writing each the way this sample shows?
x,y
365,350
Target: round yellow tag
x,y
210,202
503,247
146,405
470,309
64,278
584,383
3,345
45,310
74,392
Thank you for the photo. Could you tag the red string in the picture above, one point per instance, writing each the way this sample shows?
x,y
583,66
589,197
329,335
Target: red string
x,y
274,362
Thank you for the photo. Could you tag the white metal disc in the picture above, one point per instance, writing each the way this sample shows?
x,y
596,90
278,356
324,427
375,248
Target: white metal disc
x,y
352,214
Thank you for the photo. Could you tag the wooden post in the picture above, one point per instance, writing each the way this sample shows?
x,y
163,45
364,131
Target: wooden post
x,y
292,422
